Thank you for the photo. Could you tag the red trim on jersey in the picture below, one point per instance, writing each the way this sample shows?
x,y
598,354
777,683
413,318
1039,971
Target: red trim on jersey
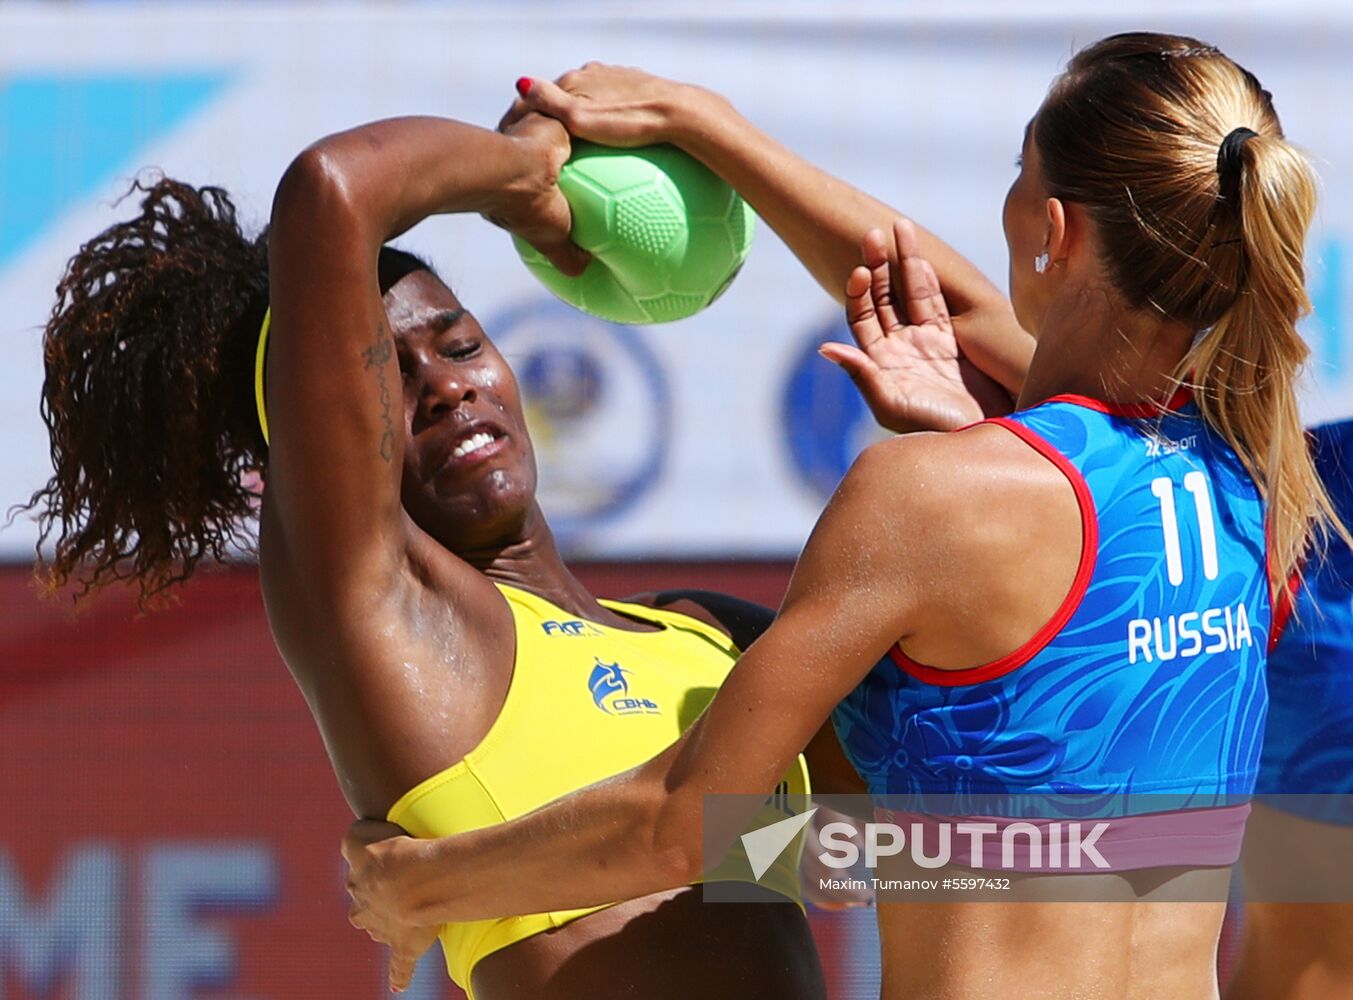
x,y
1285,602
1089,552
1178,401
1282,610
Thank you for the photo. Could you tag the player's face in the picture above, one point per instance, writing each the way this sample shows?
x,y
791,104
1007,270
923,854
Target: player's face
x,y
1025,217
469,475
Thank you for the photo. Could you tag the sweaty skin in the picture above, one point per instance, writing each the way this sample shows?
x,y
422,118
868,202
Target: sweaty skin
x,y
906,550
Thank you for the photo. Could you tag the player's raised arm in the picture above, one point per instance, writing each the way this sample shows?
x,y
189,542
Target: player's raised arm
x,y
335,403
821,217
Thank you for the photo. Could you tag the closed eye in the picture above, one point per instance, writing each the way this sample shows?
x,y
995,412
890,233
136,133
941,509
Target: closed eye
x,y
455,348
461,350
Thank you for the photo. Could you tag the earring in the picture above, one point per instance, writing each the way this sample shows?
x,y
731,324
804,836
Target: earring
x,y
1041,262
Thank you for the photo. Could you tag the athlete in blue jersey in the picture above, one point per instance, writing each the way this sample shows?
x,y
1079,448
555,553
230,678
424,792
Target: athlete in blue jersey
x,y
1294,950
1075,598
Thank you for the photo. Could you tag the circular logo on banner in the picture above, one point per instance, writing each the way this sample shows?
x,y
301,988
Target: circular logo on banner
x,y
826,421
598,408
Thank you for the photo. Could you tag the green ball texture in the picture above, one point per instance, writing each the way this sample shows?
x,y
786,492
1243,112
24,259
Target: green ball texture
x,y
667,235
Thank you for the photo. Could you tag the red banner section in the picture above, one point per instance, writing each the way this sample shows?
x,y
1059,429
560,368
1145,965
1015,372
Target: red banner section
x,y
171,822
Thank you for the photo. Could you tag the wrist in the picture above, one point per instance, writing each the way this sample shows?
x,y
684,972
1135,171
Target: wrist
x,y
696,117
425,877
537,159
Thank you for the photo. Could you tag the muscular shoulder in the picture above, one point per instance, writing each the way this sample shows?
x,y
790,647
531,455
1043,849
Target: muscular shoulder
x,y
953,482
952,509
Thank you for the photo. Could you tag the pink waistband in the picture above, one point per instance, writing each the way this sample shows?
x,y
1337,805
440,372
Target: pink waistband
x,y
1191,838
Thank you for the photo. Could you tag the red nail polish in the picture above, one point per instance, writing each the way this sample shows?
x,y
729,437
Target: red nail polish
x,y
524,85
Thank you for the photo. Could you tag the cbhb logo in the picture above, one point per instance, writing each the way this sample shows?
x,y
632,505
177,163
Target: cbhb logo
x,y
611,692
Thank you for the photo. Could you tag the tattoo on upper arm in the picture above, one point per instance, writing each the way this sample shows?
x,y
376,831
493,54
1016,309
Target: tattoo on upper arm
x,y
376,357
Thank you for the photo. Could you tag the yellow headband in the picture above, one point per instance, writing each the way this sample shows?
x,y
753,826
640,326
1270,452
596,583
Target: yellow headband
x,y
260,357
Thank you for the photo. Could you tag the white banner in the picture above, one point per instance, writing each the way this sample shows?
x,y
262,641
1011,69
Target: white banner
x,y
718,435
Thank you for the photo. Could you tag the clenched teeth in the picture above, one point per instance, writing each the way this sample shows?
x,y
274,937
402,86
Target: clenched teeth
x,y
473,443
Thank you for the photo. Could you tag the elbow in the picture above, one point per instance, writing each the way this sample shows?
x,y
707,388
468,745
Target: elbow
x,y
315,190
677,864
675,844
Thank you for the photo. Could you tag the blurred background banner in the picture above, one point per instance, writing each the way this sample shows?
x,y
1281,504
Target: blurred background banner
x,y
171,822
734,430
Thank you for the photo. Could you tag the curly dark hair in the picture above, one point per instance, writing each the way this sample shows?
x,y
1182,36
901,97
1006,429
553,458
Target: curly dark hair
x,y
148,396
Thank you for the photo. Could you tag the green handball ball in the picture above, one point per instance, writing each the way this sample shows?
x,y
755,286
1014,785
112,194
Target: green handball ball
x,y
666,234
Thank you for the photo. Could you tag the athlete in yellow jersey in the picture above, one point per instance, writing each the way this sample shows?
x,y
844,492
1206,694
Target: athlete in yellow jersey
x,y
411,581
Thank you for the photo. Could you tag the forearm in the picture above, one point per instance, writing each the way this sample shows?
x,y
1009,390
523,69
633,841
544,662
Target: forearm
x,y
612,841
823,221
821,217
384,177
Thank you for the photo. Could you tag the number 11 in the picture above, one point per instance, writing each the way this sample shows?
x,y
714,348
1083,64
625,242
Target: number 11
x,y
1196,483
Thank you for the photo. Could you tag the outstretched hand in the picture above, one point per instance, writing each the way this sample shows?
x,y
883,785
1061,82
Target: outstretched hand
x,y
908,365
378,857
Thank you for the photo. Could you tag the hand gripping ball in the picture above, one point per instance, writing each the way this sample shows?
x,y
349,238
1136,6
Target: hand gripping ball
x,y
666,234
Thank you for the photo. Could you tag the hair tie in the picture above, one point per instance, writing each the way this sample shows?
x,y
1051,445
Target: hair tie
x,y
260,359
1229,164
1193,52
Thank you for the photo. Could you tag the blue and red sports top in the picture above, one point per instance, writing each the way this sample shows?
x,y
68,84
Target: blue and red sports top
x,y
1150,676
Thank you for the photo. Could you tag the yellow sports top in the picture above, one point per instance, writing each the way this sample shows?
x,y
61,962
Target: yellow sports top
x,y
586,701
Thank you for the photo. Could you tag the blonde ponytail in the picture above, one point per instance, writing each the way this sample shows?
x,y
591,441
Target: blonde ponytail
x,y
1202,208
1245,368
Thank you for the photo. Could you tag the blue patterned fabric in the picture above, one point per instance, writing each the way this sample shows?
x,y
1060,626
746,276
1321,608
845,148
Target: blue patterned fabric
x,y
1309,744
1154,684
